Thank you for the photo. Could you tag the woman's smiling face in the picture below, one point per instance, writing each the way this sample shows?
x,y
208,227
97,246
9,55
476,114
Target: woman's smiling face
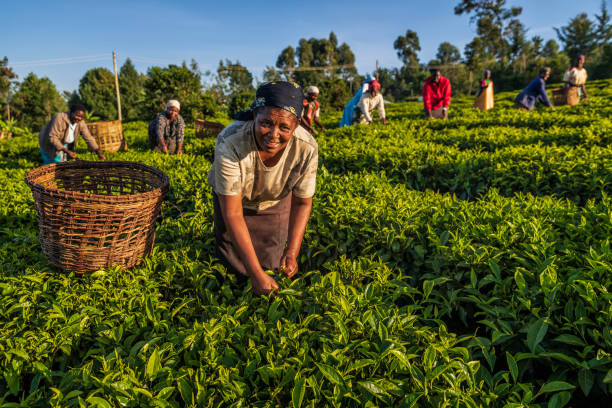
x,y
274,128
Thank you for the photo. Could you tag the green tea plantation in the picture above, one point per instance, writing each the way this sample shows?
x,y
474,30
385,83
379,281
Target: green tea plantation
x,y
459,263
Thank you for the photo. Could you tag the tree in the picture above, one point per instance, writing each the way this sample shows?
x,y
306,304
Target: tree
x,y
537,45
553,58
448,54
492,21
551,49
132,90
602,69
240,101
475,54
234,77
97,93
273,74
322,53
173,82
578,36
7,81
604,28
346,57
36,101
286,62
407,47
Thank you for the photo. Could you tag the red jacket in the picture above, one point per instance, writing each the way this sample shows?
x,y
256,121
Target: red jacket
x,y
436,95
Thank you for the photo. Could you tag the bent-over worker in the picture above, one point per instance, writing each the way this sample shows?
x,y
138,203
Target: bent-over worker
x,y
58,138
312,109
263,179
167,130
370,100
534,92
436,95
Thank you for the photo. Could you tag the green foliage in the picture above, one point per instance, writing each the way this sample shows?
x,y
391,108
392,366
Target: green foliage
x,y
447,54
97,92
207,107
494,24
408,294
578,36
36,101
240,102
407,47
234,78
174,82
132,91
334,83
8,79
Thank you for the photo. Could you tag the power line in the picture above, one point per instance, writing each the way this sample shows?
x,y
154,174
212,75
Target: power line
x,y
291,69
59,61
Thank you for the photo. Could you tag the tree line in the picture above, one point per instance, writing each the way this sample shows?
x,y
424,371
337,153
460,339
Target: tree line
x,y
501,44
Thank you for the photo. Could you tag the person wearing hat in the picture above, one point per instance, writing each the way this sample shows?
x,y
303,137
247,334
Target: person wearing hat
x,y
484,97
58,138
167,130
263,180
436,95
534,92
370,100
311,110
349,109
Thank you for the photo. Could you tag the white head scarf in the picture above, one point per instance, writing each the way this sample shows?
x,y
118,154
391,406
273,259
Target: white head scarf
x,y
173,103
312,90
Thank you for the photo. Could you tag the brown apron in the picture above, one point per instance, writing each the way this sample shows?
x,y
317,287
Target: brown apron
x,y
268,230
170,144
436,113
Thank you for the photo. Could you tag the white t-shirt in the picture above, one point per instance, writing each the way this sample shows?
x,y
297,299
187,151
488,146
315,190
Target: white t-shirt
x,y
70,135
368,104
238,168
576,76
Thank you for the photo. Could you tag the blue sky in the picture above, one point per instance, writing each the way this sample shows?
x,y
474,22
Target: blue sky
x,y
63,39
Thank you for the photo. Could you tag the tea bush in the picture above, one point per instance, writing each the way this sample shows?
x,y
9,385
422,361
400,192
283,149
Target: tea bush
x,y
461,263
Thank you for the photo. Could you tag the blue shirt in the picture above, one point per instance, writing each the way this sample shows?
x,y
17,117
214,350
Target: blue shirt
x,y
533,93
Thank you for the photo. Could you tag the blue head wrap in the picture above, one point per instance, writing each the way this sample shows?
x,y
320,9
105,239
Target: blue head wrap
x,y
279,94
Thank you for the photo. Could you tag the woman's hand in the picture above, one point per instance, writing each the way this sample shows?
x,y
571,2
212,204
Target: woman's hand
x,y
70,153
288,265
263,283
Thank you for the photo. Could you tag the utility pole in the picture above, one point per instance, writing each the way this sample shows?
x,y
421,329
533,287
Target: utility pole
x,y
117,85
123,143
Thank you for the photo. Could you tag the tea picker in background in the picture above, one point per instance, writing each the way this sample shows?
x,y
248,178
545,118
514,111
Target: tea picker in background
x,y
370,100
263,179
436,95
534,92
58,138
167,130
311,110
484,98
575,78
349,109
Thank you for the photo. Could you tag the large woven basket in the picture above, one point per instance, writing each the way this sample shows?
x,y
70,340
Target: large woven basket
x,y
109,135
566,96
93,215
204,128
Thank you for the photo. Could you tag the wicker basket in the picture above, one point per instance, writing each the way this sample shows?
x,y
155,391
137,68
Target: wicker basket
x,y
566,96
109,135
93,215
207,129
